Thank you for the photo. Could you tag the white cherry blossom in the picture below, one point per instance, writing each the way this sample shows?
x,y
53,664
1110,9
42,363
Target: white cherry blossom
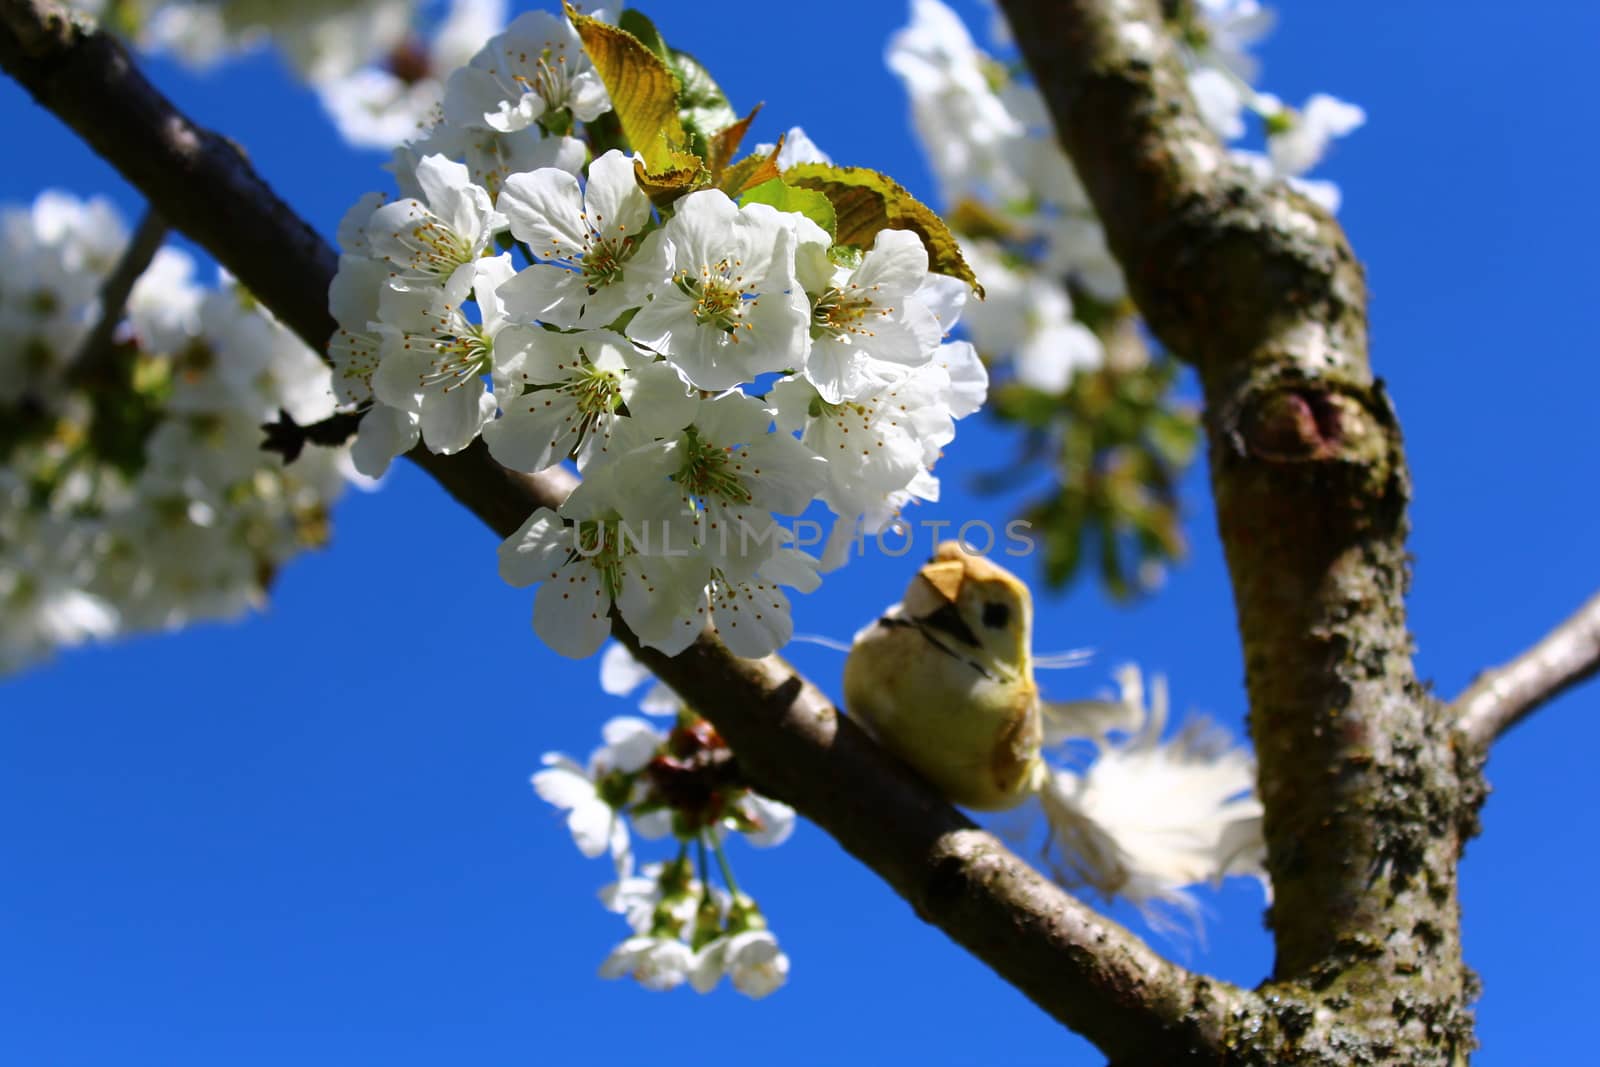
x,y
535,68
1221,99
752,614
798,147
58,250
380,106
164,306
43,603
491,156
1297,141
595,825
774,820
431,239
731,473
609,556
640,898
241,360
966,381
969,134
99,539
657,963
356,346
1027,316
876,444
585,241
621,674
434,359
323,39
1228,30
385,433
352,230
870,327
751,959
732,309
582,386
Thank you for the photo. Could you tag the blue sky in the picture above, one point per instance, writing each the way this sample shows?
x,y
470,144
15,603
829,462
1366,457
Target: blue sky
x,y
309,837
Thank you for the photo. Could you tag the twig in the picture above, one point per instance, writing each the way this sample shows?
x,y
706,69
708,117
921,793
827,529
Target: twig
x,y
1503,696
1078,966
288,438
98,347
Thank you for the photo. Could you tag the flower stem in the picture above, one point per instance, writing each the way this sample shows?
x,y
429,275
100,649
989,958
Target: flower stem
x,y
727,871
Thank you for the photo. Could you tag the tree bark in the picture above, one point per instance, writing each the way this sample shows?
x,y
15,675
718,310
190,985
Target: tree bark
x,y
1367,802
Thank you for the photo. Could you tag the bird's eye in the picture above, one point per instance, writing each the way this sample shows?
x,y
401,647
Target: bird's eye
x,y
996,615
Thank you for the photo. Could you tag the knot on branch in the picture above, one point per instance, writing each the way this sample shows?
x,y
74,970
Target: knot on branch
x,y
1331,443
1296,424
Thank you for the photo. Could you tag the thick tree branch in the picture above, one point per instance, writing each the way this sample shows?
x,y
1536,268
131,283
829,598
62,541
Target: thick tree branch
x,y
1258,289
1500,698
1084,970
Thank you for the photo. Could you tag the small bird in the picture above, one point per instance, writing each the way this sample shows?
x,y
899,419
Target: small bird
x,y
944,680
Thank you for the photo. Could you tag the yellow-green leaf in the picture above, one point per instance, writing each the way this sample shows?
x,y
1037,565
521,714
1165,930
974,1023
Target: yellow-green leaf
x,y
974,219
811,203
865,202
644,93
751,171
665,186
721,145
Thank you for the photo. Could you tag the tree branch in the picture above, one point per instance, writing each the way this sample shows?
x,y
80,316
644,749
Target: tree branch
x,y
1500,698
142,248
1257,288
1081,968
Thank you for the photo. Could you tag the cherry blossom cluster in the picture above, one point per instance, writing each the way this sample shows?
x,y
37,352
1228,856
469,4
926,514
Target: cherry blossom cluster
x,y
134,493
1147,818
1218,36
388,98
322,39
1033,238
377,65
681,783
712,366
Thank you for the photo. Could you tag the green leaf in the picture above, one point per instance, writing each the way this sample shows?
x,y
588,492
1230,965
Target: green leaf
x,y
712,129
865,202
639,24
785,197
644,94
975,219
703,107
1119,441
